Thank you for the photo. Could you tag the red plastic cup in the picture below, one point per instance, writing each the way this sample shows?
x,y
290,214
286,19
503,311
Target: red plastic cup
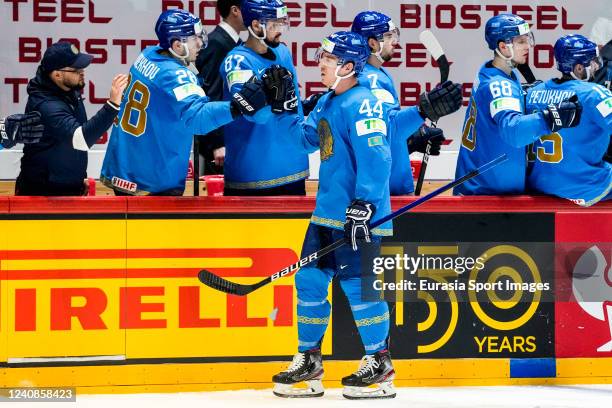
x,y
416,168
91,186
214,185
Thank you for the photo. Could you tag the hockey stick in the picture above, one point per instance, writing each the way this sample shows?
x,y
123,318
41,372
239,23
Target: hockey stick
x,y
196,165
216,282
435,49
526,72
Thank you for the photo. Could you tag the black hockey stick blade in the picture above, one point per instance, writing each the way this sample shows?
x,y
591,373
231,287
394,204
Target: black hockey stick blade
x,y
216,282
424,163
526,72
444,68
429,40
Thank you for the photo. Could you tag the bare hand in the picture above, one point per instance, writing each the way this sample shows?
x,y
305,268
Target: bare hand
x,y
219,156
117,87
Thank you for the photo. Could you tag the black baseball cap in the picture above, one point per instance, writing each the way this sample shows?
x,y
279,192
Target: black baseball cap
x,y
62,55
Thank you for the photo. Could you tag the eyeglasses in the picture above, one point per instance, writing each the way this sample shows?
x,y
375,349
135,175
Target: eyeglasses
x,y
78,71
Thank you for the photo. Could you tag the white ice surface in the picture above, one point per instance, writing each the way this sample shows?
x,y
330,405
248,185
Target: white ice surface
x,y
583,396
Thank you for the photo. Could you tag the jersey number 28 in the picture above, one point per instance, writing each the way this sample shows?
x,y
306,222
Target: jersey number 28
x,y
134,118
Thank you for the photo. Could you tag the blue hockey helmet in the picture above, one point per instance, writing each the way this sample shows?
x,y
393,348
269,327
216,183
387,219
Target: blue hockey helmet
x,y
263,11
576,49
372,24
347,46
176,24
504,27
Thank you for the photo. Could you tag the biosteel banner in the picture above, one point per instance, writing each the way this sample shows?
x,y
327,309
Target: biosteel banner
x,y
115,31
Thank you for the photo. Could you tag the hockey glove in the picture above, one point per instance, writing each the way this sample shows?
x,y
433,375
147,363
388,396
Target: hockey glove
x,y
565,114
527,86
443,100
357,225
418,141
309,103
249,99
280,90
20,128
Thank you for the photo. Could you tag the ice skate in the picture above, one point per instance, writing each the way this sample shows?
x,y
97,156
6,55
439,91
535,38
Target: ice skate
x,y
306,368
374,379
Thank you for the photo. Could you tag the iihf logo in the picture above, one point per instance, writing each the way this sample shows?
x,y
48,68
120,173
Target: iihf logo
x,y
592,288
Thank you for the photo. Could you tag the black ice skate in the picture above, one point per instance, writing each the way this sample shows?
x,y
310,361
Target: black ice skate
x,y
374,379
306,367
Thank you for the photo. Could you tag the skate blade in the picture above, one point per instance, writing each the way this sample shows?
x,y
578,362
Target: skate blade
x,y
380,391
313,389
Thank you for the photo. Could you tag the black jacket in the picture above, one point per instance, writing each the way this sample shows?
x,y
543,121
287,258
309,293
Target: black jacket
x,y
604,74
54,160
220,43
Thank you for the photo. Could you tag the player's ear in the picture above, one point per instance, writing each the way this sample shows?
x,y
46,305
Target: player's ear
x,y
503,48
347,68
256,26
373,43
175,45
579,70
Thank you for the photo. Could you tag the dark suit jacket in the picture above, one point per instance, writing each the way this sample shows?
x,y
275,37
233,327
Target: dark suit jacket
x,y
220,43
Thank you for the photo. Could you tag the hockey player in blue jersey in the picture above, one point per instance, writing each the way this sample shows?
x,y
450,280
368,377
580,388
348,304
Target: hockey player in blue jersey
x,y
256,162
494,122
162,108
404,124
348,126
569,163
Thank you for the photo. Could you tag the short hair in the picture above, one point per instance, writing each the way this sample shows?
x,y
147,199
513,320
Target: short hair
x,y
224,6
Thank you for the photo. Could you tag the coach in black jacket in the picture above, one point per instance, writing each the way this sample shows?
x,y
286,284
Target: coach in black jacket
x,y
57,164
220,42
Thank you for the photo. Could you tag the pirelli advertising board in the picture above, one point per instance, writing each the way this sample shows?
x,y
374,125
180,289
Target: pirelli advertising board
x,y
107,286
123,287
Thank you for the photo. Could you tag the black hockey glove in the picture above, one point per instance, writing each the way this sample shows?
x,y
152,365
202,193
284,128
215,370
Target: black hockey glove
x,y
565,114
20,128
527,86
309,103
280,90
249,99
357,225
443,100
418,141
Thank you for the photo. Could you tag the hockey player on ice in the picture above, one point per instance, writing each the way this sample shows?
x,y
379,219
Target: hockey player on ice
x,y
494,122
163,107
348,126
256,162
569,162
404,124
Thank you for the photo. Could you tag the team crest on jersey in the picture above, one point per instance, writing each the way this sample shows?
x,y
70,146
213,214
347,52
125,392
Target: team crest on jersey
x,y
326,139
